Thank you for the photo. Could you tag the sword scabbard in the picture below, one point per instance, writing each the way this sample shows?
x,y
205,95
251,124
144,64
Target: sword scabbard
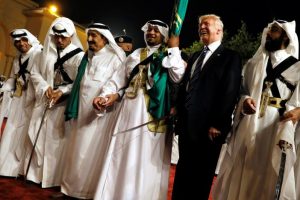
x,y
265,99
280,175
263,104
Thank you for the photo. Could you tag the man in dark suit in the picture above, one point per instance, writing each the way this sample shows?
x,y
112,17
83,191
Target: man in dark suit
x,y
207,98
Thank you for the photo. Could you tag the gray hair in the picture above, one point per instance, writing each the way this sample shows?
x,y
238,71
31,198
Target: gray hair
x,y
216,18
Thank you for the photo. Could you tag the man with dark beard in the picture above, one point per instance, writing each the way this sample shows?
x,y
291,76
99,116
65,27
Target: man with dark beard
x,y
259,162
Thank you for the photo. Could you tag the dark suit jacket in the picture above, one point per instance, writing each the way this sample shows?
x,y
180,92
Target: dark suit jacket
x,y
211,104
213,97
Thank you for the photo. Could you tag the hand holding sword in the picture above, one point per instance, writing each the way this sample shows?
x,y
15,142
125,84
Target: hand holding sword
x,y
53,95
101,103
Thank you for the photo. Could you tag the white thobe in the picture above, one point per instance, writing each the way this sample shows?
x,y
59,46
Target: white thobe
x,y
89,138
137,163
251,164
297,163
19,109
46,165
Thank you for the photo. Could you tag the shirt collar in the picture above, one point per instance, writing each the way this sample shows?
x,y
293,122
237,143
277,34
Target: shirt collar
x,y
213,46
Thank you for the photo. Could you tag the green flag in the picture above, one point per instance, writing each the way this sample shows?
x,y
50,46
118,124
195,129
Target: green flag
x,y
178,16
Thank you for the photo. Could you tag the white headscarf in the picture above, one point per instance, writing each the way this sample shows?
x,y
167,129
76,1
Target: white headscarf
x,y
104,30
290,29
17,34
49,54
162,27
60,26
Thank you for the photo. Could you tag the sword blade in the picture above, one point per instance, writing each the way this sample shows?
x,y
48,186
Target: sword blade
x,y
139,126
280,175
35,141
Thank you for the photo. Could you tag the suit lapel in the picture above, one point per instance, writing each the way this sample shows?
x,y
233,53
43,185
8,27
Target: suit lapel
x,y
190,64
217,53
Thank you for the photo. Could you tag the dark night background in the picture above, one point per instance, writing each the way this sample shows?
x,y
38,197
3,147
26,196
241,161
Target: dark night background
x,y
132,14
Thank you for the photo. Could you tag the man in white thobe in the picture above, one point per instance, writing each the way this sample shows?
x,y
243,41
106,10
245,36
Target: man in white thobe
x,y
52,79
18,103
138,160
89,137
251,166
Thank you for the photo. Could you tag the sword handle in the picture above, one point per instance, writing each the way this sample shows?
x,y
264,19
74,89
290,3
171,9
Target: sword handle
x,y
49,103
263,104
265,99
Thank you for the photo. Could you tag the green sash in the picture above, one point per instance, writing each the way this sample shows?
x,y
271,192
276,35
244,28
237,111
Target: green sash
x,y
159,105
73,100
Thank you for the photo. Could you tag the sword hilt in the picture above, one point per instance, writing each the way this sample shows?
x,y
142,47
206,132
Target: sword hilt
x,y
284,145
49,104
264,99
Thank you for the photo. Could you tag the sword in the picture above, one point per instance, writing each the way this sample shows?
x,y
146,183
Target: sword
x,y
47,107
141,125
281,170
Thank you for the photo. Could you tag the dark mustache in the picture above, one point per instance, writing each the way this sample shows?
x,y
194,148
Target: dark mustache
x,y
91,42
268,37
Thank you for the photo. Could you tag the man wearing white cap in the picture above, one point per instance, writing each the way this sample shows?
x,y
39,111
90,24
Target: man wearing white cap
x,y
52,78
138,160
18,103
89,137
259,162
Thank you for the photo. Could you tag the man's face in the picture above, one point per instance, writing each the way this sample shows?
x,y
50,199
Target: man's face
x,y
275,38
153,36
95,40
209,32
61,42
22,45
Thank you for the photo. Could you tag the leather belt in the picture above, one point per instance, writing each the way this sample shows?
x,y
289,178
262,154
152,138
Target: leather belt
x,y
276,102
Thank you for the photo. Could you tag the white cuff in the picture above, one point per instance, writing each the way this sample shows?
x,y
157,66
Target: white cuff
x,y
173,60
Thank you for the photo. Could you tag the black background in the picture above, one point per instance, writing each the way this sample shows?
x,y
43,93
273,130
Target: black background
x,y
132,14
